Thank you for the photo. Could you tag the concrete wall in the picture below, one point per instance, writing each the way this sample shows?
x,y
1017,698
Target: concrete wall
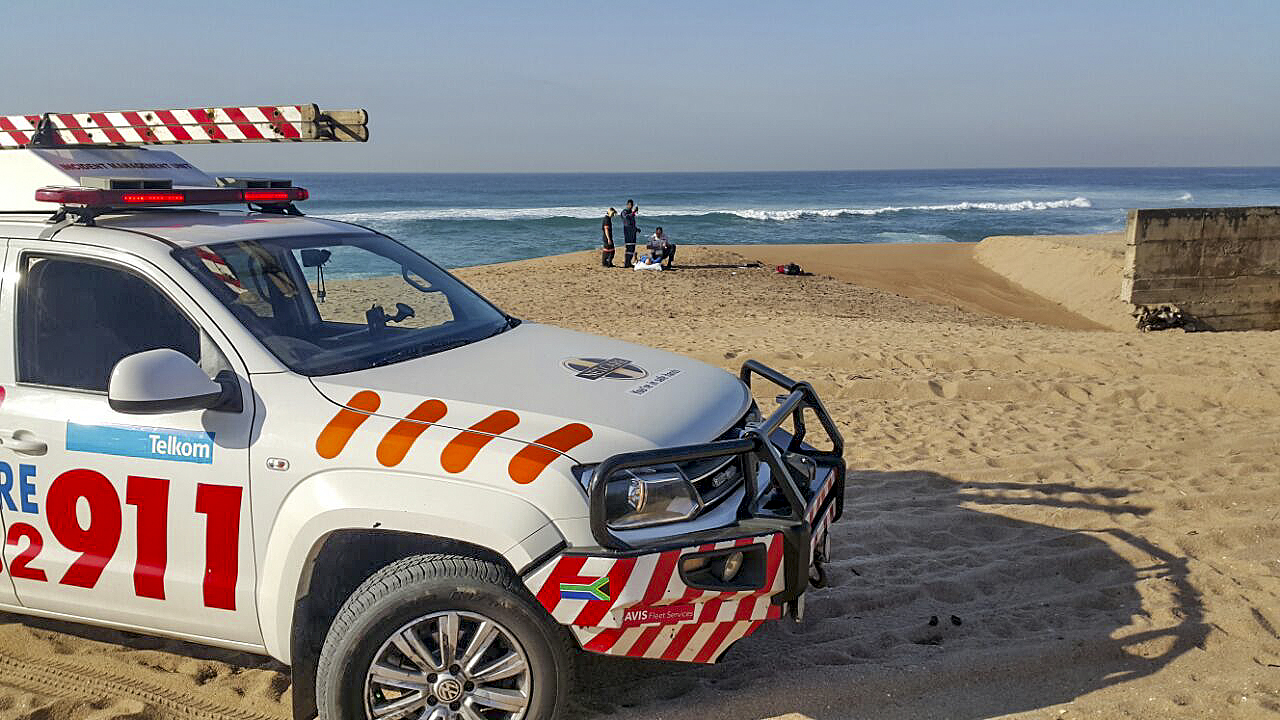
x,y
1219,265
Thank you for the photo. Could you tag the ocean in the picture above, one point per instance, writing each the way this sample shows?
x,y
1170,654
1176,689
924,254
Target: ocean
x,y
460,220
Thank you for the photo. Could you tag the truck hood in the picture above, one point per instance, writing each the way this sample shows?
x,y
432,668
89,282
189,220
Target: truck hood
x,y
628,396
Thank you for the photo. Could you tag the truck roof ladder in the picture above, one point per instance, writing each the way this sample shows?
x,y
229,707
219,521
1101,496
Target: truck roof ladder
x,y
131,128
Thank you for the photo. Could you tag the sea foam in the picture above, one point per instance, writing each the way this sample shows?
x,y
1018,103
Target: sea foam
x,y
1020,206
777,215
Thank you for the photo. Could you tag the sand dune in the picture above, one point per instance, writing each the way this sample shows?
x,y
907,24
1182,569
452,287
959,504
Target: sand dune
x,y
1091,517
1080,272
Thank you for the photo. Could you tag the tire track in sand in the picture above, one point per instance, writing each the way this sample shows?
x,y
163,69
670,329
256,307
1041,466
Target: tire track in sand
x,y
50,677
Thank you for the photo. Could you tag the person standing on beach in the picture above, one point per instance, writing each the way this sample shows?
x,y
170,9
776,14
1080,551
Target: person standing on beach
x,y
629,231
606,239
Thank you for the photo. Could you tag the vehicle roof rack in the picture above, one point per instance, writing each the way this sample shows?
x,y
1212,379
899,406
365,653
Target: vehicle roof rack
x,y
190,126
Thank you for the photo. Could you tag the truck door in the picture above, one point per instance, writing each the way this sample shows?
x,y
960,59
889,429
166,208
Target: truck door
x,y
10,470
112,517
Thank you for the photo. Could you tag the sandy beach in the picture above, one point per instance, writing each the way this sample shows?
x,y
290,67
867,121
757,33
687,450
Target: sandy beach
x,y
1047,516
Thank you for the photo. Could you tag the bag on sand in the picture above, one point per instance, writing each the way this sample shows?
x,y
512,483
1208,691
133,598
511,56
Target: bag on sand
x,y
792,269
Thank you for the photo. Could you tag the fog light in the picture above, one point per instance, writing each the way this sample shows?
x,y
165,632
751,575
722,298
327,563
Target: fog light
x,y
732,564
736,568
693,564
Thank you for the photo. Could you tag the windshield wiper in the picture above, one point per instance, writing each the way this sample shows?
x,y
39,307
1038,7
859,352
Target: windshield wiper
x,y
417,351
421,350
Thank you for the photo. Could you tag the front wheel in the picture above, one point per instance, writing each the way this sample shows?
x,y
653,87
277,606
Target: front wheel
x,y
439,637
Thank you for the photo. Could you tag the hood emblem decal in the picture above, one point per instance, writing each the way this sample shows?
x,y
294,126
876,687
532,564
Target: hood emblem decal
x,y
594,368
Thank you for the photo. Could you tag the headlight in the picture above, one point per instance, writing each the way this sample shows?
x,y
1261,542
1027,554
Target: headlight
x,y
647,496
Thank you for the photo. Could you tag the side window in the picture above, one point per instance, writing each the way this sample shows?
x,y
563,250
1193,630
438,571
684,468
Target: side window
x,y
76,319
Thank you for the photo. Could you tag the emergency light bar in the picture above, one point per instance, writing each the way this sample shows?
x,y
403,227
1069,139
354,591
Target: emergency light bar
x,y
260,123
79,197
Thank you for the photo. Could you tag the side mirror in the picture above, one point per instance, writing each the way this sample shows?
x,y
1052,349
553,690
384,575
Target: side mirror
x,y
164,380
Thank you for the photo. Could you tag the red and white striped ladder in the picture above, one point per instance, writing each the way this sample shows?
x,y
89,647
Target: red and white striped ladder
x,y
258,123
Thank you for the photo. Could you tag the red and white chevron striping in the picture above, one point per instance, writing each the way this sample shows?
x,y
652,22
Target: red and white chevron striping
x,y
821,523
691,642
820,497
821,528
650,612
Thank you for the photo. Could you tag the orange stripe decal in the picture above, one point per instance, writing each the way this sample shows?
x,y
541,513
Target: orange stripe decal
x,y
396,443
461,450
335,435
533,459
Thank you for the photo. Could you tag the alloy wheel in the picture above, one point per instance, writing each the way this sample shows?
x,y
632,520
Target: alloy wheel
x,y
449,665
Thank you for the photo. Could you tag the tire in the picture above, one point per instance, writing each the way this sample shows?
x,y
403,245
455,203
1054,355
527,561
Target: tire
x,y
408,604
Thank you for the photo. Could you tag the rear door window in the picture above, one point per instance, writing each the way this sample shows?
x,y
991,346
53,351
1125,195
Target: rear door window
x,y
77,318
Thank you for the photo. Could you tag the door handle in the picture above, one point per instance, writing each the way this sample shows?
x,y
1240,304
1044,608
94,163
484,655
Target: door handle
x,y
23,442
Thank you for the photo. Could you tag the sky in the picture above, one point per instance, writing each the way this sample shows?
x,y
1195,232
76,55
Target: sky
x,y
662,86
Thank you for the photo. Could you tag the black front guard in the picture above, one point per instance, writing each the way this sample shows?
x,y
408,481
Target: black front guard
x,y
788,502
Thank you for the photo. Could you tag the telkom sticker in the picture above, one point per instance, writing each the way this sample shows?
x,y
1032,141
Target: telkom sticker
x,y
142,442
653,382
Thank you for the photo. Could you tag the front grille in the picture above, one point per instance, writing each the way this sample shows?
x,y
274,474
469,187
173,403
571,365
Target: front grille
x,y
716,478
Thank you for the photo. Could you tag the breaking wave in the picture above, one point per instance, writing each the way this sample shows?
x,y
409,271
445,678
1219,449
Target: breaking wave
x,y
1020,206
1186,197
778,215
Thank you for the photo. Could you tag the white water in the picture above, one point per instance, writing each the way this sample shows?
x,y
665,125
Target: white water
x,y
584,212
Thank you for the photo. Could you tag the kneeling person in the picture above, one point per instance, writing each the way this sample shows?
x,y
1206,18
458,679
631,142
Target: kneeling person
x,y
661,249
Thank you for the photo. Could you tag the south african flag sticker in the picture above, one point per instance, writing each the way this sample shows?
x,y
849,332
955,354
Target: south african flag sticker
x,y
598,590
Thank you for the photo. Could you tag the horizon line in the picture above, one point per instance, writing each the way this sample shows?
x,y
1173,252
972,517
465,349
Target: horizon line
x,y
766,172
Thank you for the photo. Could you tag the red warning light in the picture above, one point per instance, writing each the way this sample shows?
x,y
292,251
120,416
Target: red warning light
x,y
174,198
91,198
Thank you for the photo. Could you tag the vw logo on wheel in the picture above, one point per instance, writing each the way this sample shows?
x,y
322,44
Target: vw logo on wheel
x,y
448,690
594,368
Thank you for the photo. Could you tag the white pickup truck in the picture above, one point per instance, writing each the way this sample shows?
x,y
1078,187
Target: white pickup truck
x,y
300,437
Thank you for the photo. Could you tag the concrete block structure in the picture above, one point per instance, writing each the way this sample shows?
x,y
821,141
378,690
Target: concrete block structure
x,y
1219,266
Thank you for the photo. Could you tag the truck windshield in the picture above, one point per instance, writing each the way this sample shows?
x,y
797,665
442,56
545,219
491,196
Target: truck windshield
x,y
330,304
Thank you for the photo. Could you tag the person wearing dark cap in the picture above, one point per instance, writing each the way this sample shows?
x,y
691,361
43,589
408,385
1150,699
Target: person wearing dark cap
x,y
629,231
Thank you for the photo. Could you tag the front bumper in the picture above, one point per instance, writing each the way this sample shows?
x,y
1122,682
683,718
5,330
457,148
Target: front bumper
x,y
630,595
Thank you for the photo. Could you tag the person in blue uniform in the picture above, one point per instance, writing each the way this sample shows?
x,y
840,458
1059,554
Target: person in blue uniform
x,y
629,231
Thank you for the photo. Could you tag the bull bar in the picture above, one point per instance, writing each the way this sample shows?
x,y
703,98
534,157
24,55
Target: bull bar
x,y
765,444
